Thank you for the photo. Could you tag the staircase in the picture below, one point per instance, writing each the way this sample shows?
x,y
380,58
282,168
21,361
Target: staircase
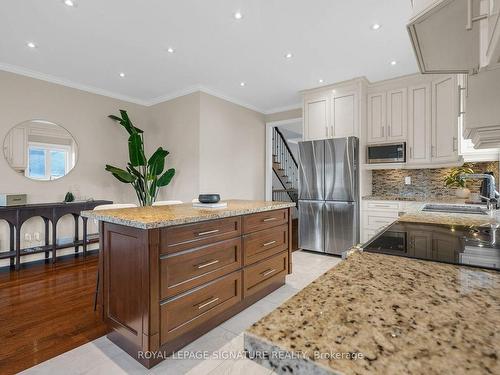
x,y
285,168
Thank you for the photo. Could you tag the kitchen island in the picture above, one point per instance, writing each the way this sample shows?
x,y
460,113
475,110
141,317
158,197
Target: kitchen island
x,y
169,274
377,313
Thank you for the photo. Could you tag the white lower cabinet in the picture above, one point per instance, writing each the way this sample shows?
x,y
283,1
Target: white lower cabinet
x,y
376,215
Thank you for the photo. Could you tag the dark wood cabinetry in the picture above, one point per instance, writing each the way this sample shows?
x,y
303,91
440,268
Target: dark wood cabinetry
x,y
162,288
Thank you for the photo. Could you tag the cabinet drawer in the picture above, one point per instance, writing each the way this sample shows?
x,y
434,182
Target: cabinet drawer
x,y
377,220
190,310
191,268
264,220
182,237
260,275
383,205
263,244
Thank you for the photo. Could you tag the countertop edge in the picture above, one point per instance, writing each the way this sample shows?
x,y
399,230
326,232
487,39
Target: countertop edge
x,y
101,216
271,356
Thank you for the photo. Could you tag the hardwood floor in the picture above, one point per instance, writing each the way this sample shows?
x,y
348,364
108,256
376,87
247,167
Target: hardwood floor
x,y
46,310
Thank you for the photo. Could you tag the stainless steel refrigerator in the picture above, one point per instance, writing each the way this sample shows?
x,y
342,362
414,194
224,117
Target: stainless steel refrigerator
x,y
329,194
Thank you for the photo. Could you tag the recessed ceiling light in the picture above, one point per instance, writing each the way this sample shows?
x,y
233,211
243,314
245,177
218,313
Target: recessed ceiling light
x,y
31,45
170,50
393,62
320,80
69,3
122,75
242,84
238,16
288,55
376,26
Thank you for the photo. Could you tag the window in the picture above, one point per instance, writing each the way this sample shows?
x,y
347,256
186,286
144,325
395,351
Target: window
x,y
47,161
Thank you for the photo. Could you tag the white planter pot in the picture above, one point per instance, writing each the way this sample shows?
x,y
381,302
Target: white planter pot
x,y
462,193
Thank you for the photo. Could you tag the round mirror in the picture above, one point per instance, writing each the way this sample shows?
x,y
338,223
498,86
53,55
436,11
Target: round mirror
x,y
40,150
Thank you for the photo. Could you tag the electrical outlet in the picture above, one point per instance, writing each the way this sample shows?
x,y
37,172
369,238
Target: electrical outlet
x,y
27,237
407,180
36,236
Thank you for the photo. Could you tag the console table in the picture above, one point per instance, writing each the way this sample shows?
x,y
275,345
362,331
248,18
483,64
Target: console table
x,y
16,216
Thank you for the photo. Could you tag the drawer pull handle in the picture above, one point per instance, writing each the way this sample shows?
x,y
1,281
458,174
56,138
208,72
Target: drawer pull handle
x,y
268,272
268,243
208,232
208,264
207,303
269,219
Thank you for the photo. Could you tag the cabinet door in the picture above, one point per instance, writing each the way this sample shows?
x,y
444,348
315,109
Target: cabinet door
x,y
397,114
316,117
18,148
445,247
419,124
344,111
376,117
445,120
420,244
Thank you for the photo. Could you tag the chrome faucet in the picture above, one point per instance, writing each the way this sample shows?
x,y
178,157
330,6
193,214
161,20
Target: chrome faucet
x,y
493,194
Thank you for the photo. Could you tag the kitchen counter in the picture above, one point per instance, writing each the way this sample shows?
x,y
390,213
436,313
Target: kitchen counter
x,y
165,216
401,315
419,198
170,274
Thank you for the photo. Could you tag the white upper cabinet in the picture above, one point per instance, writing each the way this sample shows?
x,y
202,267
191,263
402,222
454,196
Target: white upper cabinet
x,y
455,36
387,116
376,117
316,117
332,111
15,148
445,119
397,116
344,113
481,121
419,124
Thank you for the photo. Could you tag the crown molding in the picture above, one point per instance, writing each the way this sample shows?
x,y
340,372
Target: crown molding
x,y
283,109
147,103
67,83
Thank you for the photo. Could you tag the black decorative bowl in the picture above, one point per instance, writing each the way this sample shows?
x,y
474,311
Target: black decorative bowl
x,y
209,198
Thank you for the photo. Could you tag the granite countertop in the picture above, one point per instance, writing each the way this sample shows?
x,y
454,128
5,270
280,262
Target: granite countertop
x,y
420,198
164,216
402,316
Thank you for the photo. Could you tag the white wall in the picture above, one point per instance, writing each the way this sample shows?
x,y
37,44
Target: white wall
x,y
99,139
215,146
174,125
232,149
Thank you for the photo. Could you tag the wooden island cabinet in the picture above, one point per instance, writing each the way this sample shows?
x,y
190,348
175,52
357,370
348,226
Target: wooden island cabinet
x,y
170,274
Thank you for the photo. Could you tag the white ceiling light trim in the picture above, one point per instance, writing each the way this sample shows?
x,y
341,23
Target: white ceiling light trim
x,y
68,83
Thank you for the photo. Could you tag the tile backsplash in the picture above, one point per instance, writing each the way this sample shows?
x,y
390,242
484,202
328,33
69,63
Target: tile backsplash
x,y
429,182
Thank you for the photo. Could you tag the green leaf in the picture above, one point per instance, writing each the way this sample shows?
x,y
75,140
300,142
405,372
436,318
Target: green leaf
x,y
136,150
156,162
116,118
120,174
165,179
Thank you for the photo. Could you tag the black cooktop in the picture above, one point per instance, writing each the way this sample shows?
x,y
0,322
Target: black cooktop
x,y
477,246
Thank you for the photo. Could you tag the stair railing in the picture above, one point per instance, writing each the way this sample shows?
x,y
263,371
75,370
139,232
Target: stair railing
x,y
287,163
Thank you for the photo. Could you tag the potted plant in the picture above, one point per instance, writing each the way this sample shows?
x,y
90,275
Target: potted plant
x,y
453,180
146,175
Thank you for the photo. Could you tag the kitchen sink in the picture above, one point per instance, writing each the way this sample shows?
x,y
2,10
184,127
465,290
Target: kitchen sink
x,y
455,209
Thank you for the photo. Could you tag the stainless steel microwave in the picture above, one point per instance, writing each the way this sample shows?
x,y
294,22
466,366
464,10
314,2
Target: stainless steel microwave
x,y
386,153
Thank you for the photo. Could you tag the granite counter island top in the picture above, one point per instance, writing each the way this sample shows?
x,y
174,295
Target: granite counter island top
x,y
164,216
382,314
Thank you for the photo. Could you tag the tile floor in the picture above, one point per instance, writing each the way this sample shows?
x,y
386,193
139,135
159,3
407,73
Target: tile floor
x,y
103,357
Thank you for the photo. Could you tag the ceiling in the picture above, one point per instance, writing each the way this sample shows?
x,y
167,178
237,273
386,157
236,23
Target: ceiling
x,y
87,46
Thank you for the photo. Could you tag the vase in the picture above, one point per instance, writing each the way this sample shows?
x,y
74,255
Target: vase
x,y
462,193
